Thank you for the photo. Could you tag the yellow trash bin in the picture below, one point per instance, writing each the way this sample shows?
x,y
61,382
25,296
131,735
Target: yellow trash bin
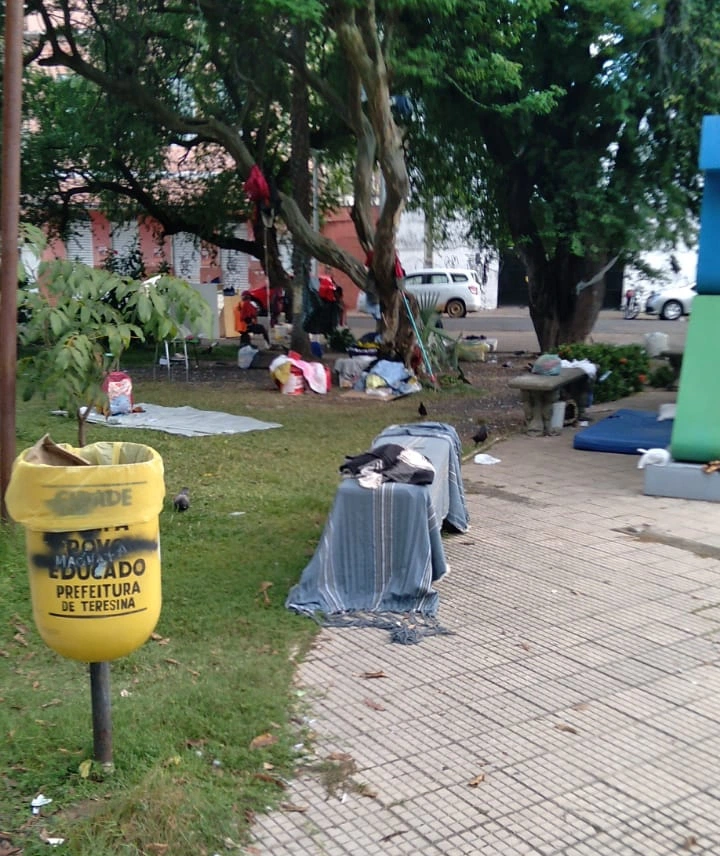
x,y
93,545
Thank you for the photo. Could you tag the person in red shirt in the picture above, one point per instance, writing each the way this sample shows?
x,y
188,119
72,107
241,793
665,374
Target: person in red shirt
x,y
246,320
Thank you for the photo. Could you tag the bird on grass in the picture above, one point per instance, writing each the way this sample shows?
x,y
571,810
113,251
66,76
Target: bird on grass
x,y
422,410
481,435
182,501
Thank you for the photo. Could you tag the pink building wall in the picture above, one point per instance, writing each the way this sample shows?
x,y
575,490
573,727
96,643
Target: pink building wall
x,y
338,227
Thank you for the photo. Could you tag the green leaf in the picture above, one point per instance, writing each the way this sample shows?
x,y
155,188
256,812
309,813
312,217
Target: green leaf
x,y
144,307
57,322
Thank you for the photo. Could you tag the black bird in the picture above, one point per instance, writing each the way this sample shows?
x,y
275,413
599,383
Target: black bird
x,y
481,435
182,501
422,410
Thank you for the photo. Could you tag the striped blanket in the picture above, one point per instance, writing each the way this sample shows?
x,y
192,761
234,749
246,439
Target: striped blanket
x,y
381,549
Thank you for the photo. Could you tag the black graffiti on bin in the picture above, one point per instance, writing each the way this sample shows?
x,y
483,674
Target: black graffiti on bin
x,y
93,554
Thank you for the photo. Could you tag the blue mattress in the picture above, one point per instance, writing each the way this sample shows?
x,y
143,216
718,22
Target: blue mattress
x,y
624,432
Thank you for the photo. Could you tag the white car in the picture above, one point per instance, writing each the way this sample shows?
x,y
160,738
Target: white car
x,y
672,302
456,291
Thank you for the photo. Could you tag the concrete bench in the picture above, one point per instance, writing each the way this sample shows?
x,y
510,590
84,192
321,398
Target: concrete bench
x,y
540,392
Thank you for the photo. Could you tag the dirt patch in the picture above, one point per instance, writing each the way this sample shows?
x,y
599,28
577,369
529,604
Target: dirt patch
x,y
485,397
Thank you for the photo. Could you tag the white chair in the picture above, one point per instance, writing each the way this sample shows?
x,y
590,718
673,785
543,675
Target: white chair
x,y
175,352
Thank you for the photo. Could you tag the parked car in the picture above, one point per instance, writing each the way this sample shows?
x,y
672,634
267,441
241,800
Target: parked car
x,y
456,290
672,302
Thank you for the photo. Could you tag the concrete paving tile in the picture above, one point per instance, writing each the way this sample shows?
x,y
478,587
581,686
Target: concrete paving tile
x,y
601,806
385,831
700,815
694,765
552,696
595,717
500,746
612,751
705,649
548,828
559,620
551,774
499,794
627,643
686,725
663,634
486,841
652,785
553,637
593,684
682,688
708,707
661,834
637,702
437,821
590,653
633,671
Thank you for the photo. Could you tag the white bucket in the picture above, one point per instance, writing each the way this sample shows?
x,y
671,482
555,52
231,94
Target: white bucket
x,y
656,343
557,420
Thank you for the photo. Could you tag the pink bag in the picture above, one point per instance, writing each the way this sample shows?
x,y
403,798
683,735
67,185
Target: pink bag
x,y
118,388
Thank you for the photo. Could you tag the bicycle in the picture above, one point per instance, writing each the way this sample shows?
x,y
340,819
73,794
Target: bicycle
x,y
631,308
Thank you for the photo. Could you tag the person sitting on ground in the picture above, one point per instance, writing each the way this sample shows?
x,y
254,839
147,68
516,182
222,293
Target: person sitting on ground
x,y
246,315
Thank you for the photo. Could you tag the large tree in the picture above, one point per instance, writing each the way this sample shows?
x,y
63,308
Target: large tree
x,y
212,81
576,145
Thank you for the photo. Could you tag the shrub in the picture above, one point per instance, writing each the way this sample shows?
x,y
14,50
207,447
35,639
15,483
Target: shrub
x,y
662,376
340,339
621,369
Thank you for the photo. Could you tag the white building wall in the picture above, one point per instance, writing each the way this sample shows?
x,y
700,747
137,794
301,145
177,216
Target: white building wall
x,y
124,238
79,245
186,256
234,264
660,261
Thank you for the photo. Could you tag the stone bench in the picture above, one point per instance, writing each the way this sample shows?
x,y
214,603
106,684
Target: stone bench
x,y
540,392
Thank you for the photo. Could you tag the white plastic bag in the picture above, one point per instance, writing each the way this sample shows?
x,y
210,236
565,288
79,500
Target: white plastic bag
x,y
656,343
246,355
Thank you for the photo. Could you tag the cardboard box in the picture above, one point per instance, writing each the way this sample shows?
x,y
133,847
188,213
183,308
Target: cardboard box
x,y
227,317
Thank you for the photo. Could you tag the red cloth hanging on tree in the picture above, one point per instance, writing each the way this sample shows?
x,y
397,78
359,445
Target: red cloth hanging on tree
x,y
257,188
399,270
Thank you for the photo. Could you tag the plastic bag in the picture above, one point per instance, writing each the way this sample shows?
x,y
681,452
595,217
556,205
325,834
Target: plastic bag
x,y
118,388
547,364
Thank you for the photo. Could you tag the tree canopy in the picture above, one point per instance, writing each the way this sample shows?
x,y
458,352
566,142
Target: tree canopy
x,y
577,145
567,130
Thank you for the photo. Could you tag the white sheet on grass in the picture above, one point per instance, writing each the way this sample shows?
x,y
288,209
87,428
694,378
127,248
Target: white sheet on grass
x,y
187,421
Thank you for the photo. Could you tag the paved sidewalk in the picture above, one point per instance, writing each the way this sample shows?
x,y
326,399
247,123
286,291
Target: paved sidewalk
x,y
574,710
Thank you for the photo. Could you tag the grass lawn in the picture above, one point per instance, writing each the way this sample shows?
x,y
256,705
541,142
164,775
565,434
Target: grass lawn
x,y
218,672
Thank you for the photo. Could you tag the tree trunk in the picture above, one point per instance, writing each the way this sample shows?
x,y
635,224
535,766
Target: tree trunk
x,y
565,298
82,431
379,139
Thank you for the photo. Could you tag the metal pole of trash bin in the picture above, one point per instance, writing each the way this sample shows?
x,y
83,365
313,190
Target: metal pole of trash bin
x,y
101,712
